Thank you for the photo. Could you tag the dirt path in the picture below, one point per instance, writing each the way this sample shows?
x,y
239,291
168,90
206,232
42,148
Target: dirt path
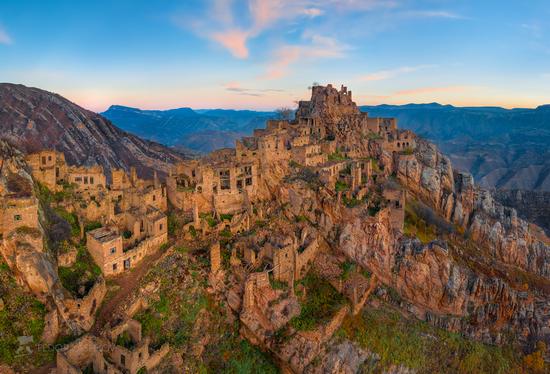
x,y
127,282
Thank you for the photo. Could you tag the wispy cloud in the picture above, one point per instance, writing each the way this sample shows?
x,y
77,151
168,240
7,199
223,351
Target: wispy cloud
x,y
234,41
430,13
219,21
426,90
238,89
316,47
392,73
5,38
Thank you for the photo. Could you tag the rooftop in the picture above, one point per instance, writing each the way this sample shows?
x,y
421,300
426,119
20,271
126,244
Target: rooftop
x,y
104,234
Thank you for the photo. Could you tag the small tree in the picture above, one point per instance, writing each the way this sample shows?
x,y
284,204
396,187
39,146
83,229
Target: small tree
x,y
284,113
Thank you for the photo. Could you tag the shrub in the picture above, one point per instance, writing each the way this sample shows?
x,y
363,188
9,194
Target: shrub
x,y
71,219
322,301
92,226
341,186
336,156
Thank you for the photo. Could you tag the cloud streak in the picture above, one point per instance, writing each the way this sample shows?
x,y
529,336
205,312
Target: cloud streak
x,y
317,47
5,38
392,73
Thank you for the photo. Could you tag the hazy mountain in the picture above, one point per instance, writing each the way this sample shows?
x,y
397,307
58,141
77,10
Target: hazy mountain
x,y
32,119
201,130
503,148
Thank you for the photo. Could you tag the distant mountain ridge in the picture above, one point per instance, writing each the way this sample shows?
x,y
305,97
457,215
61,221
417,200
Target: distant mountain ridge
x,y
502,148
202,130
32,119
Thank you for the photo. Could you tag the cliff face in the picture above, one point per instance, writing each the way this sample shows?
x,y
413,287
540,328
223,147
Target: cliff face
x,y
532,206
492,279
32,119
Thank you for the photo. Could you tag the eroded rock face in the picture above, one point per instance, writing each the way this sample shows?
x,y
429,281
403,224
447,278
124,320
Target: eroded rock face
x,y
429,177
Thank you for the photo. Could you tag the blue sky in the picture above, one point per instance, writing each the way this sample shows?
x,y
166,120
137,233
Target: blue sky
x,y
262,54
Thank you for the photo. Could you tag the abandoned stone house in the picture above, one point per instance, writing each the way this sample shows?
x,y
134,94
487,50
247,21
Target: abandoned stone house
x,y
143,235
49,168
16,212
132,210
121,350
395,199
216,183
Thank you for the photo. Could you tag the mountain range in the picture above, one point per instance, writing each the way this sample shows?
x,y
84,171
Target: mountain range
x,y
502,148
201,130
32,119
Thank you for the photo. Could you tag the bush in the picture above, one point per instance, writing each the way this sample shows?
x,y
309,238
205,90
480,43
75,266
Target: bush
x,y
322,301
337,156
341,186
92,226
71,219
423,348
84,272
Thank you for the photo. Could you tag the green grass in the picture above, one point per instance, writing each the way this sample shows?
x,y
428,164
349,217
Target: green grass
x,y
124,340
321,303
212,222
22,315
71,218
341,186
348,268
351,203
92,226
83,272
374,136
336,156
422,347
416,226
226,217
247,358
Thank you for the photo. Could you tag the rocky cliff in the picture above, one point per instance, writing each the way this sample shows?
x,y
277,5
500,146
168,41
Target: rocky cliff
x,y
32,119
532,206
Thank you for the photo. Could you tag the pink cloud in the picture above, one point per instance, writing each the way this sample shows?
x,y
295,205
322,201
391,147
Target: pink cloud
x,y
318,47
234,40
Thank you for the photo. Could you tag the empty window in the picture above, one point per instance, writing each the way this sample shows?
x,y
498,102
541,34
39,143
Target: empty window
x,y
160,227
113,250
43,160
49,158
114,267
193,173
91,180
154,197
122,360
248,181
78,179
17,217
85,180
240,183
225,179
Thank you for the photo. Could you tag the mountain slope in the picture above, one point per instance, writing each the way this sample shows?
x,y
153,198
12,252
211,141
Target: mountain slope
x,y
201,130
32,119
502,148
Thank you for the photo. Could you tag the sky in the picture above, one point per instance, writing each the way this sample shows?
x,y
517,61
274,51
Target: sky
x,y
264,54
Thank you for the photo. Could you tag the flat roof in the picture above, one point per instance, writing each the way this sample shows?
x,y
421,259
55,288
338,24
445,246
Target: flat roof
x,y
104,234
